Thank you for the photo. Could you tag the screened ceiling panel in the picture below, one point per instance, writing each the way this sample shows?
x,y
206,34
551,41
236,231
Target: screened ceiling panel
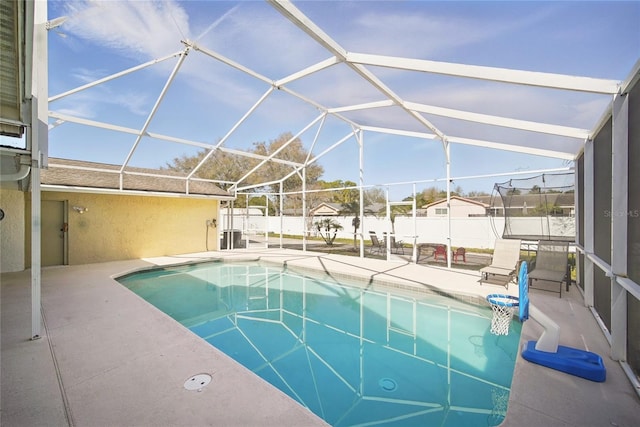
x,y
227,75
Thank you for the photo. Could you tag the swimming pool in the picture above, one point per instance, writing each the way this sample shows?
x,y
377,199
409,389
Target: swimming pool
x,y
352,353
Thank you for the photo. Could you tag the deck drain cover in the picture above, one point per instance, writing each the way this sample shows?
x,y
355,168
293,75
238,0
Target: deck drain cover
x,y
197,382
387,384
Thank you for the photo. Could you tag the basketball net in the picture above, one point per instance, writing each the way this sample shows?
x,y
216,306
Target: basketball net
x,y
501,320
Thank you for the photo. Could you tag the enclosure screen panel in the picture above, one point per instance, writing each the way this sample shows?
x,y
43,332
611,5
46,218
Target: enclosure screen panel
x,y
633,230
633,334
602,193
633,212
602,296
580,275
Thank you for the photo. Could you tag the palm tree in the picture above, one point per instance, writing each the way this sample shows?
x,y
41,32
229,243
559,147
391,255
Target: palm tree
x,y
328,229
353,209
395,211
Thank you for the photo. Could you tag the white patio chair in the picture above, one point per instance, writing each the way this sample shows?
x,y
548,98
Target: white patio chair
x,y
504,263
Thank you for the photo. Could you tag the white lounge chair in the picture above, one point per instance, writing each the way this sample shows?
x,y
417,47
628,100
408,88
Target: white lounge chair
x,y
506,256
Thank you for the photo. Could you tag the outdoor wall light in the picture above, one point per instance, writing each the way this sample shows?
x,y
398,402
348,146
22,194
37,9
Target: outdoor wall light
x,y
80,209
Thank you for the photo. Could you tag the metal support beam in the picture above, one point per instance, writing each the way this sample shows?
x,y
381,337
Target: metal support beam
x,y
414,215
224,139
447,148
387,241
113,76
527,125
503,75
589,224
304,209
360,138
147,122
281,214
282,147
36,273
266,221
38,142
289,11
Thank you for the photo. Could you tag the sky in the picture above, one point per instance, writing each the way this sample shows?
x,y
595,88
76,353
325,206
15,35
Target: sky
x,y
206,100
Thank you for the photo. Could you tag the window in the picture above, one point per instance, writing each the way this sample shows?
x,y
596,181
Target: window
x,y
441,211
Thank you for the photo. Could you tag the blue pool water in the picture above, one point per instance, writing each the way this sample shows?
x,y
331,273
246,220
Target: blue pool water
x,y
353,354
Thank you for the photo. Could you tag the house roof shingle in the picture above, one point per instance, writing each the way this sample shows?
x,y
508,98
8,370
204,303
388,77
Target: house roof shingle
x,y
90,175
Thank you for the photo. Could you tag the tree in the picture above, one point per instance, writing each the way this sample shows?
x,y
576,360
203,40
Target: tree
x,y
353,209
374,195
345,192
294,152
328,229
477,193
427,196
395,211
230,168
219,166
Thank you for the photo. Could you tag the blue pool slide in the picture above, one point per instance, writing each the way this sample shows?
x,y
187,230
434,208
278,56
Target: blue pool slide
x,y
580,363
547,352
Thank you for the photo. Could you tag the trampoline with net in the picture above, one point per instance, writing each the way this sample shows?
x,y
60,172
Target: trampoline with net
x,y
536,208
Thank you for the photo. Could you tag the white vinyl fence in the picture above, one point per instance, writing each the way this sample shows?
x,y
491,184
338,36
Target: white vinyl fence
x,y
470,232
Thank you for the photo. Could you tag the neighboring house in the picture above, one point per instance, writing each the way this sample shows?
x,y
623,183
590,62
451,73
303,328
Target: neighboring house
x,y
337,209
460,207
92,213
326,209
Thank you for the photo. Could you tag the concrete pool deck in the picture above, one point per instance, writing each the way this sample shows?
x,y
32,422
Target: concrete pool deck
x,y
107,358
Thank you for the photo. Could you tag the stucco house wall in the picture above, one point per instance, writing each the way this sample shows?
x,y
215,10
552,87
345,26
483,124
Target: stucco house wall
x,y
460,208
117,227
12,231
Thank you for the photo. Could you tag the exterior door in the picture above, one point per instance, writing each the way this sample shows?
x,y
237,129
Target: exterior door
x,y
54,232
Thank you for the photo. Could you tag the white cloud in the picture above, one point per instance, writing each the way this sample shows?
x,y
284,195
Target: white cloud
x,y
87,103
424,34
142,28
86,75
259,38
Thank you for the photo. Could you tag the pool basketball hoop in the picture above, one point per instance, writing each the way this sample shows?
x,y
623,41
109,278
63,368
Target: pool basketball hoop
x,y
503,307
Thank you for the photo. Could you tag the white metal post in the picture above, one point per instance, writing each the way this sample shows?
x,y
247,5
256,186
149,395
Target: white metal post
x,y
38,139
414,254
245,227
304,209
266,221
36,318
589,228
281,213
360,139
448,154
387,241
